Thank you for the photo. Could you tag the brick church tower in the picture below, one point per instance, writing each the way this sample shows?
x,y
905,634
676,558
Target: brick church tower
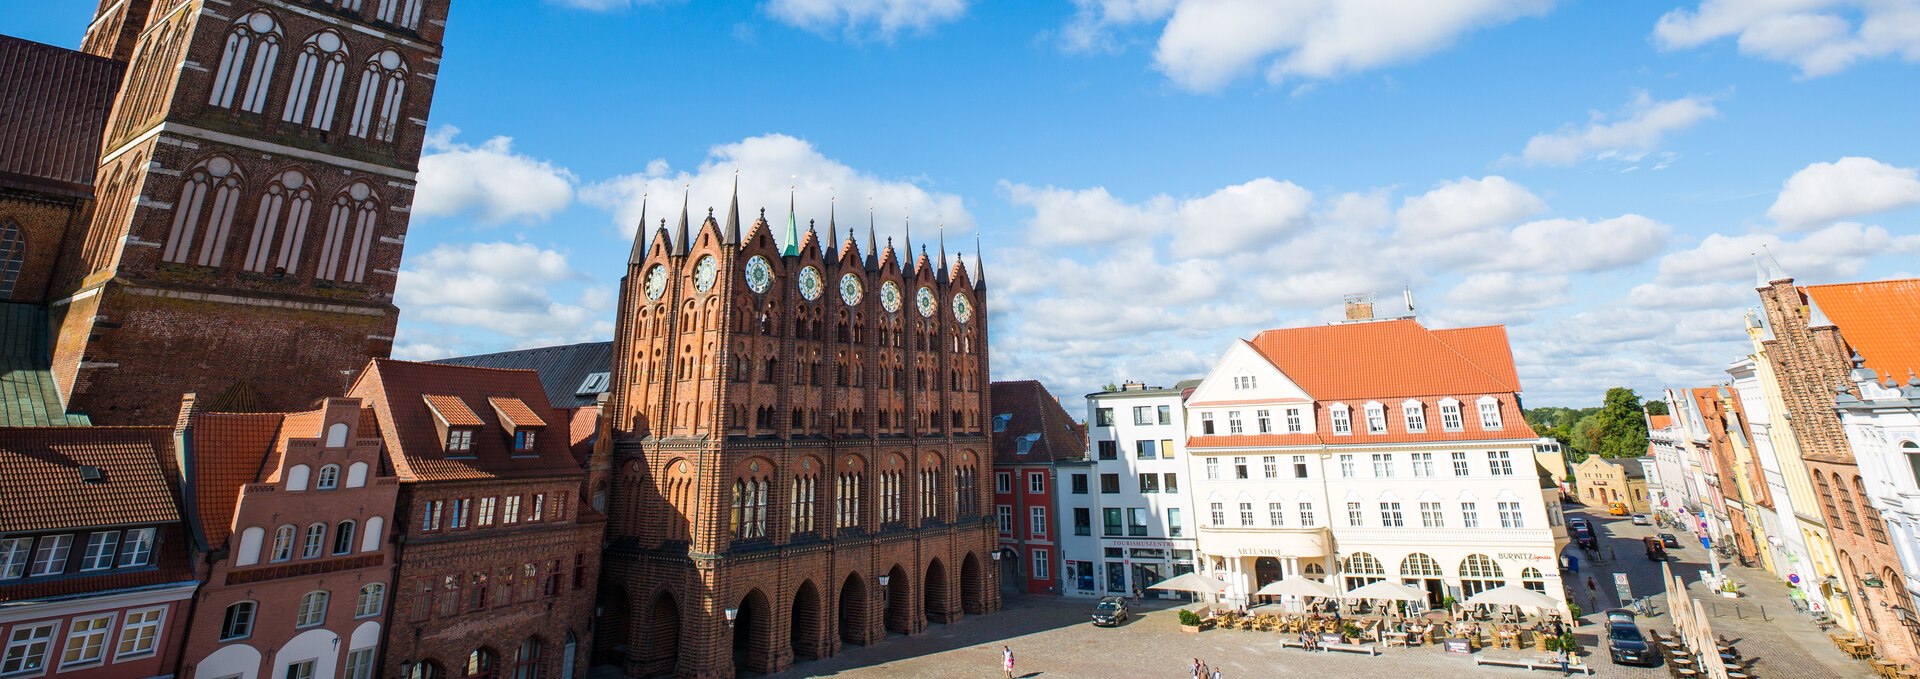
x,y
797,450
252,195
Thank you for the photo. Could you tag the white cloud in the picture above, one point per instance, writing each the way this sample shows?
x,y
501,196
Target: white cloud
x,y
1253,214
1467,206
1645,124
1579,244
504,288
883,18
1207,44
1087,216
768,165
1849,187
490,181
1489,298
1829,254
1820,37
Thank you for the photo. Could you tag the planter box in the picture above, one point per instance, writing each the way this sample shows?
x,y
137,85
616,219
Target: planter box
x,y
1729,595
1190,629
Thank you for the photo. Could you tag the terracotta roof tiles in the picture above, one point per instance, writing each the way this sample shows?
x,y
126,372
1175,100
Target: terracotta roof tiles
x,y
1391,359
453,410
395,390
1658,422
228,451
40,477
515,411
1881,320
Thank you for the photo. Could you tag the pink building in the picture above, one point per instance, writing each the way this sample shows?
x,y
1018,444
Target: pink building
x,y
293,513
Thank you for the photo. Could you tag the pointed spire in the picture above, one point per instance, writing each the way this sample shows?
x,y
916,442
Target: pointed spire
x,y
873,246
833,229
639,235
793,227
732,232
940,273
1767,269
906,262
979,266
685,244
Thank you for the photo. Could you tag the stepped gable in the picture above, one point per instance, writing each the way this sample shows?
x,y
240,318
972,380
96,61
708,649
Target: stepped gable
x,y
228,451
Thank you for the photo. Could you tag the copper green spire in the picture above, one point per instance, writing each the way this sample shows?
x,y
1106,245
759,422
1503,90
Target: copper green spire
x,y
793,228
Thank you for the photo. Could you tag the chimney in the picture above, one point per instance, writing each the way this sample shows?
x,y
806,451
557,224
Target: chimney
x,y
1360,306
1133,386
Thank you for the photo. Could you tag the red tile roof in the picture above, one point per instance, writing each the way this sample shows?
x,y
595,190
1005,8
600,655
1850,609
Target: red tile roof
x,y
453,410
1658,422
515,411
1390,362
395,389
1034,410
228,451
1391,359
40,480
1881,320
57,102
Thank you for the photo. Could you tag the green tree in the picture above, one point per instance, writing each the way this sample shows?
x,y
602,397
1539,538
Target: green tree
x,y
1656,407
1621,430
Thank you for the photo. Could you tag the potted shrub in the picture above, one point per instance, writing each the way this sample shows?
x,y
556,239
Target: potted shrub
x,y
1550,643
1351,632
1189,622
1447,602
1573,609
1729,590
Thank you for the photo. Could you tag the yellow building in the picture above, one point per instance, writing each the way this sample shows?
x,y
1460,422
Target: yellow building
x,y
1600,483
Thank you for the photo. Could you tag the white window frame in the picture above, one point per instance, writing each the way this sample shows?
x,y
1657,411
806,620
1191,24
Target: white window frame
x,y
101,547
1346,466
1423,464
328,478
1469,515
1206,424
20,657
1391,516
359,664
1376,418
136,547
1234,426
1415,413
1213,469
1005,515
1489,413
315,545
1037,521
1246,514
1432,515
1499,463
483,515
1460,466
1306,515
1450,417
15,555
283,538
313,609
1270,466
1041,566
371,600
140,633
1294,423
1356,516
1510,515
1263,421
1218,512
1383,465
1342,419
1003,483
50,555
96,635
1277,514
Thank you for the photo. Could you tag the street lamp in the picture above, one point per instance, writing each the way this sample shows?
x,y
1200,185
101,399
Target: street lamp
x,y
732,613
996,555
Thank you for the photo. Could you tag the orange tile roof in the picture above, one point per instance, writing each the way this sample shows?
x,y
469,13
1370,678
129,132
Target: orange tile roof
x,y
395,390
453,410
1391,359
1658,422
40,477
1880,319
228,451
516,411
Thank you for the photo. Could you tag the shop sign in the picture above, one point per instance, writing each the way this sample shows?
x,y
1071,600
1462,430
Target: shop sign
x,y
1522,556
1140,543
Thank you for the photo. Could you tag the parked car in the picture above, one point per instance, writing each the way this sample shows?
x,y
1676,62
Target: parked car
x,y
1656,549
1578,522
1641,520
1584,537
1628,646
1625,615
1670,541
1617,508
1110,612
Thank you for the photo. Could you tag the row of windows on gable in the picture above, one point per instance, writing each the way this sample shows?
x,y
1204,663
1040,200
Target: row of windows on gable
x,y
105,550
246,73
1499,463
328,478
1413,415
313,544
458,426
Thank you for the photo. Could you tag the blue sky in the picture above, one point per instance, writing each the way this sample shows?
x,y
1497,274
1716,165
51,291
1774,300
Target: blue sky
x,y
1153,178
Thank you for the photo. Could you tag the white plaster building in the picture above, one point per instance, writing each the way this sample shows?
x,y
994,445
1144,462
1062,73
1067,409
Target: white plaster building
x,y
1134,525
1365,451
1883,429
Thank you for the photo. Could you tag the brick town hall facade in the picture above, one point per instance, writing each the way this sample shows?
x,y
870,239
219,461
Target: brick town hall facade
x,y
795,447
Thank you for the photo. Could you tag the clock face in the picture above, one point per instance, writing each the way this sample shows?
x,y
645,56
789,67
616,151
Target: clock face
x,y
962,309
656,282
759,274
704,272
810,287
924,301
890,297
850,290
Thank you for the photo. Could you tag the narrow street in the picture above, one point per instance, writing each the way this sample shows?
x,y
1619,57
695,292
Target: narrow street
x,y
1762,622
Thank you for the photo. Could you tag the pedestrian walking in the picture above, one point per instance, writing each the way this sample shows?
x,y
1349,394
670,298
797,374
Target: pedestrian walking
x,y
1196,668
1216,673
1563,663
1006,660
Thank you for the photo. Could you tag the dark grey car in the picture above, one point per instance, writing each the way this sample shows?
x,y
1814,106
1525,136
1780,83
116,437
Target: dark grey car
x,y
1110,612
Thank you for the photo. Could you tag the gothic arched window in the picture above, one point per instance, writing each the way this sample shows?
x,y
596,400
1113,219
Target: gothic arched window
x,y
194,214
343,256
317,77
402,13
376,113
253,44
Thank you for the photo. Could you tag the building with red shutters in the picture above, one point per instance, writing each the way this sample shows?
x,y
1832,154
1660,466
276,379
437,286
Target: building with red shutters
x,y
94,573
498,556
292,513
207,194
797,448
1032,435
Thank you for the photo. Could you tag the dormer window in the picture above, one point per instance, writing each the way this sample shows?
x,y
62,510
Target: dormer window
x,y
455,422
1450,419
1489,413
1376,418
1416,415
1342,420
1000,422
522,424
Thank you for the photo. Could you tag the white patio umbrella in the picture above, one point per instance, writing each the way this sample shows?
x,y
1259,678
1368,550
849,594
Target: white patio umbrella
x,y
1509,595
1300,587
1191,582
1387,590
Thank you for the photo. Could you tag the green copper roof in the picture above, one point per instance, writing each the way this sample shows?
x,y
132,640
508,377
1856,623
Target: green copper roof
x,y
29,397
